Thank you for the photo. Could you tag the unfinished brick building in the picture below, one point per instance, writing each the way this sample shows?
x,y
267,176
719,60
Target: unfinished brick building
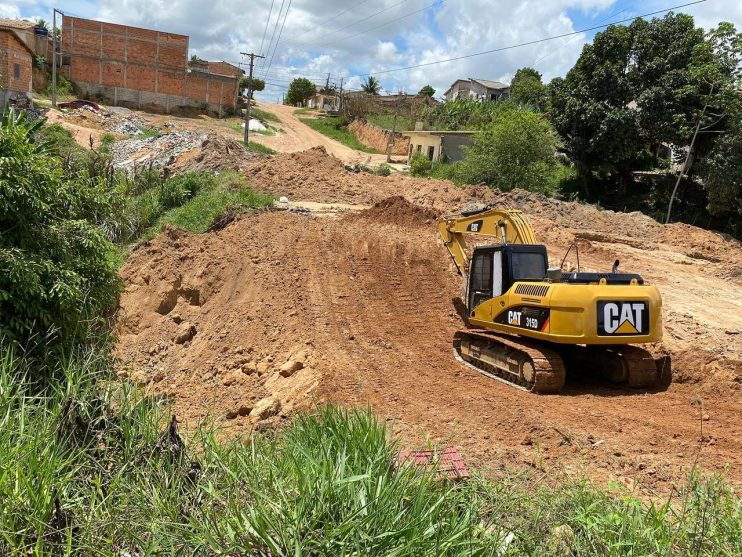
x,y
16,62
141,68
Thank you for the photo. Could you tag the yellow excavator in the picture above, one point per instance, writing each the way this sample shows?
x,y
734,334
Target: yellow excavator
x,y
529,322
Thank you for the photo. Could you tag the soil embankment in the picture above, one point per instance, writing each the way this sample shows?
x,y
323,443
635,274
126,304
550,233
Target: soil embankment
x,y
280,311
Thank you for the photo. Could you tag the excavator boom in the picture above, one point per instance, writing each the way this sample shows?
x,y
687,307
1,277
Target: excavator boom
x,y
510,226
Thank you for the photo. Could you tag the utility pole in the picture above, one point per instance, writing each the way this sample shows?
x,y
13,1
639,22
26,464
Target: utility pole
x,y
249,95
54,55
390,144
340,102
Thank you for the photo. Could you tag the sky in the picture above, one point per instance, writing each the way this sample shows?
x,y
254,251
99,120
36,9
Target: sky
x,y
349,39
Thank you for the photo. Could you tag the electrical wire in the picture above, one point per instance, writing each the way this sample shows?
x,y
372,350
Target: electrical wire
x,y
278,40
528,43
267,21
434,4
314,41
273,34
345,11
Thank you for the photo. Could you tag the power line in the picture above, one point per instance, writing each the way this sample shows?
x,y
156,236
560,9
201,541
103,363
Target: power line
x,y
345,11
436,3
273,34
557,49
278,40
267,21
352,24
528,43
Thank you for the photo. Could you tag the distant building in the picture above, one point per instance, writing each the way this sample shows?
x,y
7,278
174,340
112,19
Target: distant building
x,y
480,90
324,100
143,68
439,145
17,44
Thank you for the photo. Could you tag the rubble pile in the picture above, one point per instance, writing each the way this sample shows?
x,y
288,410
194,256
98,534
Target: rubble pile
x,y
159,152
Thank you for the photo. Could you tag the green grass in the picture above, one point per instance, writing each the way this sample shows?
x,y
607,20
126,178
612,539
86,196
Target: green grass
x,y
201,212
386,120
259,148
150,132
263,115
88,466
105,142
335,128
194,202
302,111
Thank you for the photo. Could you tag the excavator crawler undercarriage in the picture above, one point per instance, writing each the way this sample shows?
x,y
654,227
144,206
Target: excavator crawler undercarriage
x,y
532,366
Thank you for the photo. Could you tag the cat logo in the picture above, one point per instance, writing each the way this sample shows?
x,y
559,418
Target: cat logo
x,y
476,226
623,318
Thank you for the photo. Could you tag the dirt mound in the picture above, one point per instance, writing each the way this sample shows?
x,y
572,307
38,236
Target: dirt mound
x,y
397,210
215,153
280,311
315,175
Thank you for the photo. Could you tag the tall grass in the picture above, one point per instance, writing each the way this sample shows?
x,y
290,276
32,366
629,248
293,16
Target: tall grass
x,y
90,467
336,128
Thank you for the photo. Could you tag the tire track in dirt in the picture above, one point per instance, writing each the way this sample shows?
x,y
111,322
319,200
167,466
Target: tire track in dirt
x,y
370,297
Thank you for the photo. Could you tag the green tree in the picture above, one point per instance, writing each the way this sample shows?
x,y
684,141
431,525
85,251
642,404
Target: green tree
x,y
717,69
528,90
300,91
196,58
516,151
663,87
371,86
427,91
57,270
590,107
257,84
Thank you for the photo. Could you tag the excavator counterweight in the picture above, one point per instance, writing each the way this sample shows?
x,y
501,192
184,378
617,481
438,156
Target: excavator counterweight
x,y
529,323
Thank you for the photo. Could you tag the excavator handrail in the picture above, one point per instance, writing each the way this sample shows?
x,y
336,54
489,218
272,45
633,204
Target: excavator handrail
x,y
511,226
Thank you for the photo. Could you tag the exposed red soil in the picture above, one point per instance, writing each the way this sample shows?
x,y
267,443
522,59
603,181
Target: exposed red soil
x,y
366,303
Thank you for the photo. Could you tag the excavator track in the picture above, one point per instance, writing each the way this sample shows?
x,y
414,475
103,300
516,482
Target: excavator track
x,y
516,361
533,367
622,364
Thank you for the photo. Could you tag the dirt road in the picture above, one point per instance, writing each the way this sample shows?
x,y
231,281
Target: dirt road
x,y
365,303
297,136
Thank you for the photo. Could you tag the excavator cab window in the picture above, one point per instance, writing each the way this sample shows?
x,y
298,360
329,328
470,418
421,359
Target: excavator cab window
x,y
494,269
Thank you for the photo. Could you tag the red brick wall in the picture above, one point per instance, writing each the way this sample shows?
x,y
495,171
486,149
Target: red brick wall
x,y
13,52
109,55
224,68
99,50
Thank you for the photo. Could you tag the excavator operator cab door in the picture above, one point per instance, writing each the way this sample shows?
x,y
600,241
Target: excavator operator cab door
x,y
494,269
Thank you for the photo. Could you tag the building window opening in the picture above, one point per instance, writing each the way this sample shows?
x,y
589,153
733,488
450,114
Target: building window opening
x,y
431,152
17,71
419,148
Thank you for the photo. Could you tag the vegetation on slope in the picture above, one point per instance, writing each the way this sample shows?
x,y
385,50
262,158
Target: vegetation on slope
x,y
337,128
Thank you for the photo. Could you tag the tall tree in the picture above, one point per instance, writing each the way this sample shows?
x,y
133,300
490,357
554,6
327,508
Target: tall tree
x,y
427,91
591,105
300,91
257,84
665,91
528,90
718,70
371,86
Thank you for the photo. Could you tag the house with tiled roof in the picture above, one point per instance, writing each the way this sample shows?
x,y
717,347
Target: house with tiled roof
x,y
481,90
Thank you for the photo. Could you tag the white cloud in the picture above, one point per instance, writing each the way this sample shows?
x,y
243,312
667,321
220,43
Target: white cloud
x,y
10,11
340,37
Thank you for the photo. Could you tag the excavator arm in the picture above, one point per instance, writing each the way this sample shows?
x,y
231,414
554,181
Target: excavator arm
x,y
510,226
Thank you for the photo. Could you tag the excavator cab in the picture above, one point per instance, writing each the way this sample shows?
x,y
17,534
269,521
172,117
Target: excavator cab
x,y
495,268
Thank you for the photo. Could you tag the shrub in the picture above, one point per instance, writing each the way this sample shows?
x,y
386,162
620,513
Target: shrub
x,y
56,267
516,151
419,164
